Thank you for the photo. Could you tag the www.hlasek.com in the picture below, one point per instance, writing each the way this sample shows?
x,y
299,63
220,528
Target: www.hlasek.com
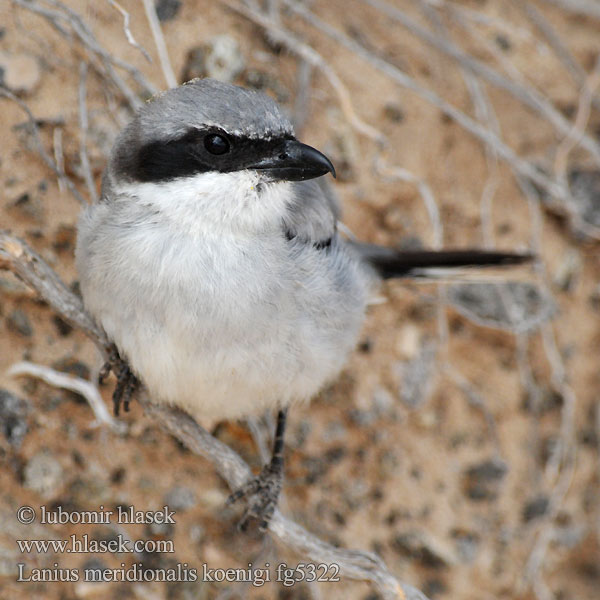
x,y
84,544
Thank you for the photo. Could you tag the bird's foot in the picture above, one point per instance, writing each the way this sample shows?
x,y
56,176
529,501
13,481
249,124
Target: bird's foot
x,y
262,494
127,382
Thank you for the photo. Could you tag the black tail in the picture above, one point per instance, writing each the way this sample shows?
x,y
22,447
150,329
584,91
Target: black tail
x,y
389,262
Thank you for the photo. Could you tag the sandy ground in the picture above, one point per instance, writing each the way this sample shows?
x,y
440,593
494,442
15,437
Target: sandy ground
x,y
456,491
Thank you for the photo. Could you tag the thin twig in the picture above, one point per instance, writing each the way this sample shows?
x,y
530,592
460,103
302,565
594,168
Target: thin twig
x,y
588,8
159,42
492,21
83,129
75,384
571,140
127,31
59,157
486,116
561,465
533,568
261,437
303,89
561,50
87,37
476,400
394,173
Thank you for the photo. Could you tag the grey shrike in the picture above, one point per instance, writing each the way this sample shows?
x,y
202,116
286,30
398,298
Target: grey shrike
x,y
213,262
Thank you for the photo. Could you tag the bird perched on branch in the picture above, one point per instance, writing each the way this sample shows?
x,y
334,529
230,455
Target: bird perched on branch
x,y
213,262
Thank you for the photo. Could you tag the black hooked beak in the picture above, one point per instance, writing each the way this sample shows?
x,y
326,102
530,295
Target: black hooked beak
x,y
293,161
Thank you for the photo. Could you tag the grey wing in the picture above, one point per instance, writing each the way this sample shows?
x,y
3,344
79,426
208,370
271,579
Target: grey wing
x,y
313,214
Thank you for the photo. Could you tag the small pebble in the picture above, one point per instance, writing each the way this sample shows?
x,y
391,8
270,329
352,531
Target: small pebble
x,y
13,423
28,206
426,550
180,497
20,73
481,480
19,322
62,327
467,544
64,238
503,42
535,508
224,60
167,9
72,366
43,474
393,112
221,58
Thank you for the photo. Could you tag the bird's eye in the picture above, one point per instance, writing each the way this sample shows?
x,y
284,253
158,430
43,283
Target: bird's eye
x,y
216,144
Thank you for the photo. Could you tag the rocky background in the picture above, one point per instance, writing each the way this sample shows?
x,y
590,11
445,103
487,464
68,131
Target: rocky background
x,y
461,443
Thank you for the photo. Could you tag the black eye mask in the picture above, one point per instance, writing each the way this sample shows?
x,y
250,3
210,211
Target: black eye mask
x,y
200,151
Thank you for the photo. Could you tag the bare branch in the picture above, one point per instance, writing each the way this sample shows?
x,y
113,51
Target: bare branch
x,y
571,140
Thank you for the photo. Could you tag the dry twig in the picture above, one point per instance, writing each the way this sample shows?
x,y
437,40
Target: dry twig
x,y
588,8
75,384
127,31
83,129
159,42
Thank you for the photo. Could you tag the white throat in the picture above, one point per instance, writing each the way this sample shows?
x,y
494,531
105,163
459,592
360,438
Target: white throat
x,y
237,202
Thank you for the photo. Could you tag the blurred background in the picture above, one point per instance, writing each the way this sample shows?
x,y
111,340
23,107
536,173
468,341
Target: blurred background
x,y
461,443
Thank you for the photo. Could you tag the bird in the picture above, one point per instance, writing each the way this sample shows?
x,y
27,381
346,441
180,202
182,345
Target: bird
x,y
214,262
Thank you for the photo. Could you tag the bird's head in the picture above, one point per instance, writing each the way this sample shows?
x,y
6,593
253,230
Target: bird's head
x,y
220,146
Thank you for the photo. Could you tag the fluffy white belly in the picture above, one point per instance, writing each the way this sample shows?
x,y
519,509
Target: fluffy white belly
x,y
226,333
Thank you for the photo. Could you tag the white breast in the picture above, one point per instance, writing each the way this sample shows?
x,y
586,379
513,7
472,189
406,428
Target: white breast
x,y
221,321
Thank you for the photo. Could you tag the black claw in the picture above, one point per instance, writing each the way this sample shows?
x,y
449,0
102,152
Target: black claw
x,y
127,382
262,493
